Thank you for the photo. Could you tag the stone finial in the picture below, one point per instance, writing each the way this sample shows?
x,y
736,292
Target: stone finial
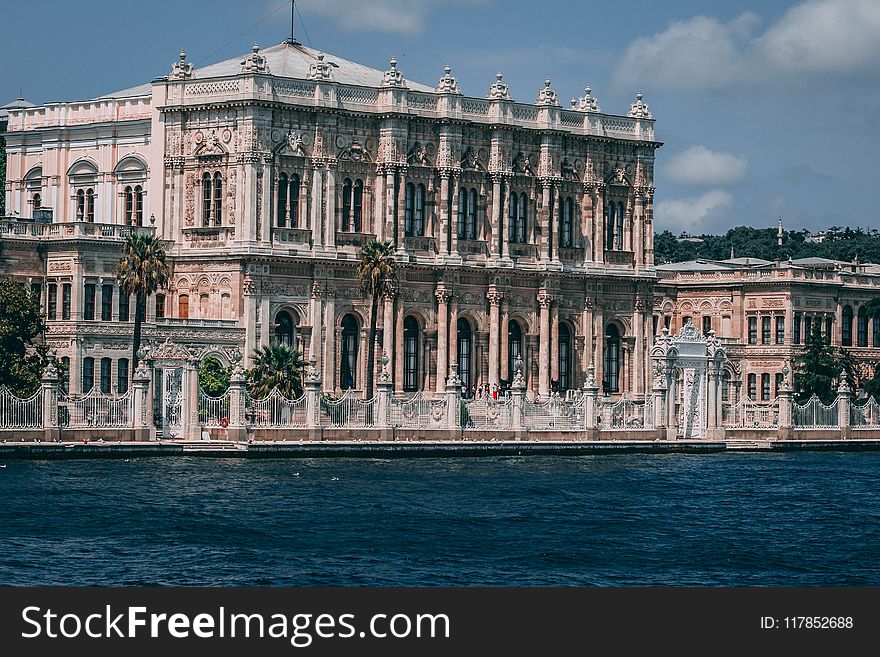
x,y
50,372
182,69
384,375
255,62
547,96
590,381
320,70
843,386
312,374
447,84
639,109
586,103
392,77
519,381
498,90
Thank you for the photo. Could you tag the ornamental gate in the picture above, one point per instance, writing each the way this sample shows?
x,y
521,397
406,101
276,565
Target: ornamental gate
x,y
175,392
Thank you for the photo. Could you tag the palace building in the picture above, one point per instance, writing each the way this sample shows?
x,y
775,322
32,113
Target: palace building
x,y
521,229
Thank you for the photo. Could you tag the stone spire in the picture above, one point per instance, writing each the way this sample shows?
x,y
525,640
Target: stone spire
x,y
779,232
392,77
586,103
320,70
547,96
255,62
182,69
447,84
639,109
498,90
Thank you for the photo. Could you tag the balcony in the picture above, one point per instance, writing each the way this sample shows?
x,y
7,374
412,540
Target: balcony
x,y
292,236
571,255
208,236
523,251
353,239
619,258
20,228
419,244
471,247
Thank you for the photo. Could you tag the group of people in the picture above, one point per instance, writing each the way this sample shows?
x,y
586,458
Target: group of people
x,y
484,391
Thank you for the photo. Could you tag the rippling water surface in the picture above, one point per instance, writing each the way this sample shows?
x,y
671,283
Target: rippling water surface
x,y
738,519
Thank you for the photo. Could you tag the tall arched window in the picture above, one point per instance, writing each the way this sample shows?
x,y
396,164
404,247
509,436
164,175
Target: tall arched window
x,y
846,326
349,353
512,216
293,200
80,205
566,229
346,205
281,205
514,346
863,327
138,205
410,354
618,235
409,202
521,218
206,199
611,381
284,329
183,306
465,349
36,201
419,222
461,225
358,204
472,215
129,205
88,374
218,198
90,204
564,358
609,226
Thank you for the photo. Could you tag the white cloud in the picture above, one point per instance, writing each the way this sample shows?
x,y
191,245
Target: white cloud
x,y
700,166
400,16
813,37
690,214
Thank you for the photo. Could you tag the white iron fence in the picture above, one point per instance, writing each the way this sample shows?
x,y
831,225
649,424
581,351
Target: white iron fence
x,y
214,411
349,411
555,414
277,411
486,414
816,415
18,413
96,409
747,414
626,414
417,412
865,415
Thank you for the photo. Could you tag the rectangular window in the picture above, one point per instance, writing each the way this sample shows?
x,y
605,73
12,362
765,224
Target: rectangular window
x,y
106,370
707,324
655,324
122,376
89,304
65,301
753,386
160,306
876,331
780,330
106,303
753,330
123,306
765,330
52,308
829,324
796,338
765,387
65,373
667,321
779,380
37,292
88,374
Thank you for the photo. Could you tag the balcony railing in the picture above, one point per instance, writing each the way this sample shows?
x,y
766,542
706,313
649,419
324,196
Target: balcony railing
x,y
353,239
69,230
419,244
619,258
292,236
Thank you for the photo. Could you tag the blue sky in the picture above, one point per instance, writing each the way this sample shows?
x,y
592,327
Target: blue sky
x,y
766,108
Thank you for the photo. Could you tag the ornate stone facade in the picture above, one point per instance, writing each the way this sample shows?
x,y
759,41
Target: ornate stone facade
x,y
522,230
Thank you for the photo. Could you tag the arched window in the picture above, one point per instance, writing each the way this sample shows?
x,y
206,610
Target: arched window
x,y
472,215
566,229
462,214
293,200
358,204
204,312
80,205
281,205
37,201
410,354
419,225
564,382
346,205
408,206
465,348
521,218
349,353
618,234
90,205
863,327
512,216
160,306
846,326
138,205
611,381
218,198
609,226
183,306
129,205
206,199
284,329
514,347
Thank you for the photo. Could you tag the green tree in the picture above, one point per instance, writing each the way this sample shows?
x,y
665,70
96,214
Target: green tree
x,y
141,271
213,377
21,354
276,366
816,369
377,272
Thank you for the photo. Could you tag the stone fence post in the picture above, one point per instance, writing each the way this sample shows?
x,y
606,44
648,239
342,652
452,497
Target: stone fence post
x,y
383,395
189,411
518,396
237,427
49,386
591,400
844,405
312,387
453,398
140,386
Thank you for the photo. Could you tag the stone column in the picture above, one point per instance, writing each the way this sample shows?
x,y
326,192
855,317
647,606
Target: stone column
x,y
383,395
497,203
504,329
140,385
317,189
591,401
452,390
189,410
388,326
504,225
599,223
671,392
545,219
554,221
378,225
50,389
544,299
587,224
330,207
398,346
443,296
237,429
844,405
453,215
637,231
328,380
390,207
312,385
649,228
453,333
554,342
518,393
494,298
444,213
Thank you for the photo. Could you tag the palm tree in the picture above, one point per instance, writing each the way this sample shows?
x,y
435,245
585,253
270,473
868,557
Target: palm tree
x,y
377,272
141,271
276,366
